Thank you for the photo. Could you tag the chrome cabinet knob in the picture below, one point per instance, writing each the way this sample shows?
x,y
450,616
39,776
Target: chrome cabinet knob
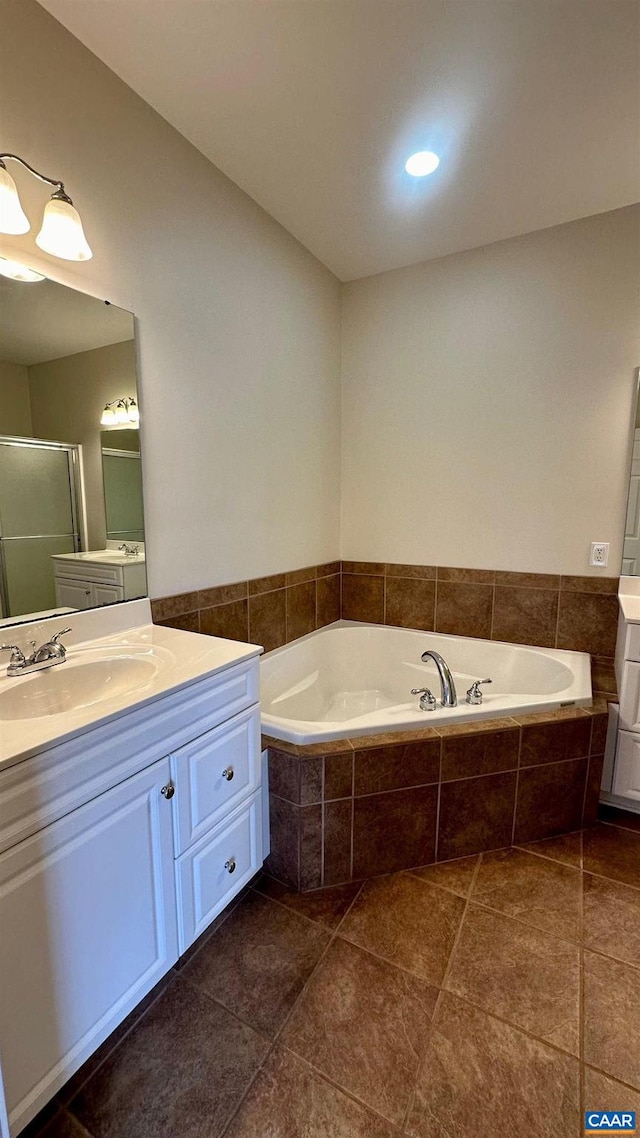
x,y
230,865
169,790
228,773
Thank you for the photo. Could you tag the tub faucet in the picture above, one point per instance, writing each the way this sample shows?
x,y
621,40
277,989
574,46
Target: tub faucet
x,y
449,696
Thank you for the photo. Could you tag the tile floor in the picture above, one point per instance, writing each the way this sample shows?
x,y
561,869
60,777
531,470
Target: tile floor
x,y
495,995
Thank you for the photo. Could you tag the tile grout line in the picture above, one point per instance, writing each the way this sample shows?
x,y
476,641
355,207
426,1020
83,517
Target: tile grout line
x,y
555,640
323,806
438,802
493,610
515,800
581,1011
442,989
350,1094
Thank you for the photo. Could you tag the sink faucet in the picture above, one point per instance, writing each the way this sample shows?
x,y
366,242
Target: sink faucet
x,y
449,696
50,653
128,550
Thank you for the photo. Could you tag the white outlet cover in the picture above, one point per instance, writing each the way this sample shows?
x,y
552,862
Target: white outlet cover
x,y
599,554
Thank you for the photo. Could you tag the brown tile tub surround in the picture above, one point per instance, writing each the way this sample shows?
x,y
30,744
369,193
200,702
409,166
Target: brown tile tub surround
x,y
577,613
265,610
543,609
355,808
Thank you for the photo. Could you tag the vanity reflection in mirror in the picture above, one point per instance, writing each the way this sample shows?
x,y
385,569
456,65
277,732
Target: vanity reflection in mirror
x,y
631,552
71,520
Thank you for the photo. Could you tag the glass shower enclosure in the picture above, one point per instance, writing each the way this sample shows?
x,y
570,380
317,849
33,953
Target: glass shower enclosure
x,y
39,517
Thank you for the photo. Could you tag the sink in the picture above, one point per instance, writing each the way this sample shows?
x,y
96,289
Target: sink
x,y
85,679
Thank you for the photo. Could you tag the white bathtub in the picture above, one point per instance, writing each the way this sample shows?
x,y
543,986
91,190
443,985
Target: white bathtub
x,y
355,679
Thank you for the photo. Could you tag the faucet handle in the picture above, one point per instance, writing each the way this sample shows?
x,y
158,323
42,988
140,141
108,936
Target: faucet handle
x,y
55,639
17,655
474,695
427,698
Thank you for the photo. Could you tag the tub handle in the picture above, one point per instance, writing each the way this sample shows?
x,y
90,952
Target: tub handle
x,y
474,695
427,698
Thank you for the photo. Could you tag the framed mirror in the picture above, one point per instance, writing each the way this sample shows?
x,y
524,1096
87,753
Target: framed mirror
x,y
631,549
71,513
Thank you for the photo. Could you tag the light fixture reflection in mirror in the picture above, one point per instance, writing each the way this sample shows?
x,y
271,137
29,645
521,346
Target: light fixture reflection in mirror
x,y
65,356
17,272
121,412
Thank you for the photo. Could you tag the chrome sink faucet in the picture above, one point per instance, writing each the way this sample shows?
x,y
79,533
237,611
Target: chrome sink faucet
x,y
128,550
449,695
50,653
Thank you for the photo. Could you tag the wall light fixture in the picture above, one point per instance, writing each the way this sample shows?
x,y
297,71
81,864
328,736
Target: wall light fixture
x,y
17,272
61,232
121,413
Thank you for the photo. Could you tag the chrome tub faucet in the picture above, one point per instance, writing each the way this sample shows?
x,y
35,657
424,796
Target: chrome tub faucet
x,y
449,695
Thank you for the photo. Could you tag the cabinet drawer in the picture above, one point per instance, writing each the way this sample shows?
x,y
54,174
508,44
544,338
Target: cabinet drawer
x,y
632,645
213,774
630,697
89,571
626,778
48,785
204,883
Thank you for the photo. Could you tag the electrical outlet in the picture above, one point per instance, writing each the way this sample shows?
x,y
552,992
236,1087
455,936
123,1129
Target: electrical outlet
x,y
599,553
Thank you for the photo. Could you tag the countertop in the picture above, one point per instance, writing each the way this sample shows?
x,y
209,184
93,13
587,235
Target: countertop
x,y
102,557
186,658
630,607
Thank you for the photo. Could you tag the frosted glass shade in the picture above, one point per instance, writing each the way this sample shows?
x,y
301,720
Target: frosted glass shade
x,y
17,272
62,234
108,417
134,414
13,219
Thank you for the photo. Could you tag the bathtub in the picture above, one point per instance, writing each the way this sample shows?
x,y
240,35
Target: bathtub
x,y
352,679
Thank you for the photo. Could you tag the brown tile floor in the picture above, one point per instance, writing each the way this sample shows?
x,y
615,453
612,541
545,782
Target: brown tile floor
x,y
495,995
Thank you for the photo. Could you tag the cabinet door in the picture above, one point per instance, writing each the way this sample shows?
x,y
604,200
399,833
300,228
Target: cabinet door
x,y
107,594
214,774
216,868
630,697
626,777
74,594
88,920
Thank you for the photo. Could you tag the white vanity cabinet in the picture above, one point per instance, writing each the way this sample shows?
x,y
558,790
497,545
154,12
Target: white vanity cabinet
x,y
621,782
117,848
84,581
88,922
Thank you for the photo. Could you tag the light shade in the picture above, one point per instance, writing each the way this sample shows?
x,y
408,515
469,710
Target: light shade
x,y
17,272
13,219
422,163
62,234
108,417
133,413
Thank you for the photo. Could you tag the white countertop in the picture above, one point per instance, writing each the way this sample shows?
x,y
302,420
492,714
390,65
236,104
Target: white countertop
x,y
187,658
630,607
102,557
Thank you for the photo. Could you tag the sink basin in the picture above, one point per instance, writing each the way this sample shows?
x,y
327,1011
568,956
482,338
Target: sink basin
x,y
84,680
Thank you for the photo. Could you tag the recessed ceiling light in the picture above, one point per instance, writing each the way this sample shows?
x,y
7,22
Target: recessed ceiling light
x,y
422,163
17,272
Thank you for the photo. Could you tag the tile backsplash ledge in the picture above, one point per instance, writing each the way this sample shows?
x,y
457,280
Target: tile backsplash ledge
x,y
551,611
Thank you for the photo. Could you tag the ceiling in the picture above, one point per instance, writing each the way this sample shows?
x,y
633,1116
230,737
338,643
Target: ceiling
x,y
312,107
46,321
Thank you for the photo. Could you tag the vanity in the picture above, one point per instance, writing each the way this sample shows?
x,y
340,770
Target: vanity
x,y
130,815
621,778
100,577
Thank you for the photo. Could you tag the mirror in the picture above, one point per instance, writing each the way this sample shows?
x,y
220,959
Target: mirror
x,y
631,550
70,485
